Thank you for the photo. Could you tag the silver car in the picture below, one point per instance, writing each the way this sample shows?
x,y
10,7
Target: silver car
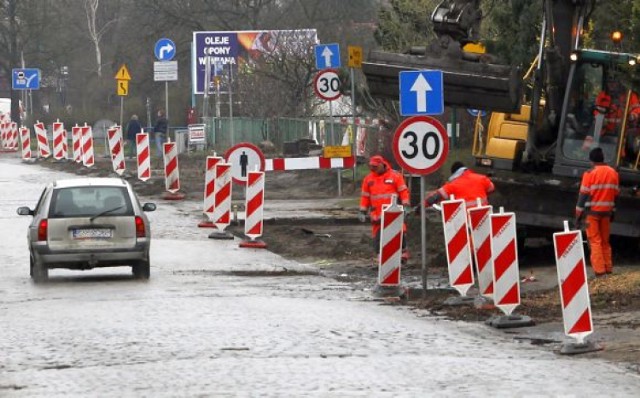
x,y
86,223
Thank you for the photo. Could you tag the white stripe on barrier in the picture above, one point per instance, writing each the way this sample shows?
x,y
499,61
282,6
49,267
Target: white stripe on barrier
x,y
222,209
254,204
454,221
390,244
43,142
481,242
114,137
506,274
209,201
25,140
171,171
143,156
86,137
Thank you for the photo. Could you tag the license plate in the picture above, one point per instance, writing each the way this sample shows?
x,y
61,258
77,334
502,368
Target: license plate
x,y
91,233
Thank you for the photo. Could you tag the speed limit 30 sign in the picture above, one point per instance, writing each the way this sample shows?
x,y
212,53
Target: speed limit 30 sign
x,y
420,145
327,85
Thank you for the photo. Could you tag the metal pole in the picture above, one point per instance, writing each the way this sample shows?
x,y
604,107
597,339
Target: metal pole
x,y
332,137
423,235
121,110
166,100
231,105
454,127
354,134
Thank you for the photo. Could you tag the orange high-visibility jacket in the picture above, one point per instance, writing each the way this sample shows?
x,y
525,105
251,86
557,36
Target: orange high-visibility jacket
x,y
598,190
378,189
613,109
465,185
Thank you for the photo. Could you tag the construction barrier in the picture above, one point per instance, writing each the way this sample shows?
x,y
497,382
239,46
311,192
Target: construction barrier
x,y
25,139
13,140
114,137
390,258
4,140
279,164
43,141
59,150
506,281
143,157
454,221
222,206
171,171
86,136
572,281
75,143
481,244
254,210
209,191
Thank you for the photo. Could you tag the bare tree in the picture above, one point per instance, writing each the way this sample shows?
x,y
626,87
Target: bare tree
x,y
96,32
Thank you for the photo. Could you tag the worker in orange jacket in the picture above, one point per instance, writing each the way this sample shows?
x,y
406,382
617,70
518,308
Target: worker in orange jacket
x,y
463,184
378,187
598,192
611,103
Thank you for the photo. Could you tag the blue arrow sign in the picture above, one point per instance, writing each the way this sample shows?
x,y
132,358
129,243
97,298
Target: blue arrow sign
x,y
165,49
327,56
25,79
421,93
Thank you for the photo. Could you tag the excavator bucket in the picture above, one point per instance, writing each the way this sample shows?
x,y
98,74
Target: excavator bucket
x,y
468,84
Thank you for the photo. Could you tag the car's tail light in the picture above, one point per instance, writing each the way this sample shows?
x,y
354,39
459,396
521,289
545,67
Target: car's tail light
x,y
43,228
140,232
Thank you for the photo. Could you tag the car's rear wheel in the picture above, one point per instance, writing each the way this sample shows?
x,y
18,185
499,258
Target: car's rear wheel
x,y
142,269
39,272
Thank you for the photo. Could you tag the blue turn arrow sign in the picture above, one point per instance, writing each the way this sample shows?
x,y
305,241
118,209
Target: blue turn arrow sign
x,y
25,79
421,93
165,49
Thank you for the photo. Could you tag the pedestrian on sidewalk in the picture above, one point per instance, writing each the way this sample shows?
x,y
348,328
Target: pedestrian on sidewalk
x,y
133,127
378,187
597,200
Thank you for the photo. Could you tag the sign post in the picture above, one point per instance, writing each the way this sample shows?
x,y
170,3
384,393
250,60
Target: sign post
x,y
355,61
122,87
165,70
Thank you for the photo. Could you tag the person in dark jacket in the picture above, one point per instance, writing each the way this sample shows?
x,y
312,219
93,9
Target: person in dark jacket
x,y
160,131
133,127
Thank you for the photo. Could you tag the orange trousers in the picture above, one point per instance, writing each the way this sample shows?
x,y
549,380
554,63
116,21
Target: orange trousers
x,y
598,230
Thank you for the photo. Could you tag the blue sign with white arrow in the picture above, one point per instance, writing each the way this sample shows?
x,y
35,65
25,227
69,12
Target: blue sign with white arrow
x,y
421,93
25,79
327,56
165,49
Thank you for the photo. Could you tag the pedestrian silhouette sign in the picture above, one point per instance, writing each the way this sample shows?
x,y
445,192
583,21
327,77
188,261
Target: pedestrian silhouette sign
x,y
243,158
421,93
327,56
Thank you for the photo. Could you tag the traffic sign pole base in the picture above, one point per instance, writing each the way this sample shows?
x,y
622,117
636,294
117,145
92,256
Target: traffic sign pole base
x,y
206,224
510,321
580,348
173,196
459,300
386,291
220,235
254,244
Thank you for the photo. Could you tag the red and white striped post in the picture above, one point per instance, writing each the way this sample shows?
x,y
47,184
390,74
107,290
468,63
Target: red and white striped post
x,y
479,220
506,271
44,150
390,246
171,172
13,141
222,206
76,139
143,157
574,290
114,136
58,141
25,139
454,222
254,210
86,137
4,141
209,191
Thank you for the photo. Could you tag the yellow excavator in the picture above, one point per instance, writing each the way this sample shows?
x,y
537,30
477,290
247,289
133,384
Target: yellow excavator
x,y
537,153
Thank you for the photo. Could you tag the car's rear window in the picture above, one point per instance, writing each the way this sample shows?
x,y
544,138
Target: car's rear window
x,y
90,201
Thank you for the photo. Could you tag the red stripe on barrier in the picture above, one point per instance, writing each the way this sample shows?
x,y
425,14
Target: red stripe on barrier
x,y
253,177
254,204
325,163
392,247
573,283
278,164
512,296
458,243
390,217
146,173
172,165
563,242
498,223
583,324
349,162
449,211
143,155
256,229
504,260
484,254
465,277
223,193
393,278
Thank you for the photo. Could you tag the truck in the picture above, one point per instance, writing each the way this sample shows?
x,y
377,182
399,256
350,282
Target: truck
x,y
537,150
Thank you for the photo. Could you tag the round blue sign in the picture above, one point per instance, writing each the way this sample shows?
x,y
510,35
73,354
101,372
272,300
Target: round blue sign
x,y
476,112
165,49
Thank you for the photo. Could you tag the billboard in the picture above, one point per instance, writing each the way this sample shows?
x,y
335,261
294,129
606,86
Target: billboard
x,y
218,51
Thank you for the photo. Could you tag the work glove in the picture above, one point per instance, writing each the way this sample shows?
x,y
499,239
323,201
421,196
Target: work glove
x,y
407,211
362,216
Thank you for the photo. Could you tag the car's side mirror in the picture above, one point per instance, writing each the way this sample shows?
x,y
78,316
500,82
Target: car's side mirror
x,y
149,207
25,211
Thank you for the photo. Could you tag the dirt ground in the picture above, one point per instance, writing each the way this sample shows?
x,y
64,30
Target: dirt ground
x,y
341,247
